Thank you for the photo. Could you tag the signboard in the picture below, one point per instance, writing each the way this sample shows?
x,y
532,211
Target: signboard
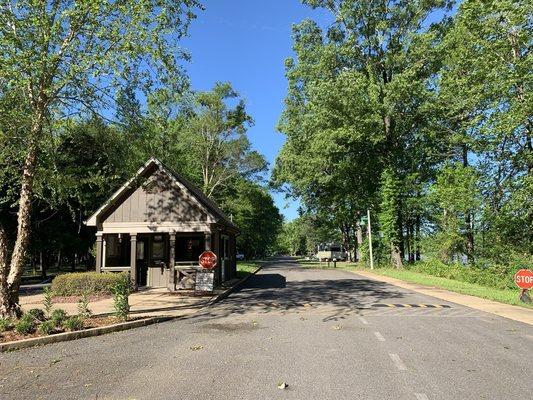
x,y
524,279
204,281
208,260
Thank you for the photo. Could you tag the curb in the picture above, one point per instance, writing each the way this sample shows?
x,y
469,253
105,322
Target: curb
x,y
66,336
230,290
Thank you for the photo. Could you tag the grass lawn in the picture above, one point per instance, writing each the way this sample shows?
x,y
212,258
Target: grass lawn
x,y
245,268
507,296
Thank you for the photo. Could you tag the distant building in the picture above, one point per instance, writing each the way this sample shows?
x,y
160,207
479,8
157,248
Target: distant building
x,y
157,225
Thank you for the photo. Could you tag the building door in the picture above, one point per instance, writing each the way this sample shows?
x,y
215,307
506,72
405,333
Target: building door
x,y
142,261
159,263
224,257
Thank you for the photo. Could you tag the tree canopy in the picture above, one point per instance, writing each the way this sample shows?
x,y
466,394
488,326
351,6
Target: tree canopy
x,y
420,112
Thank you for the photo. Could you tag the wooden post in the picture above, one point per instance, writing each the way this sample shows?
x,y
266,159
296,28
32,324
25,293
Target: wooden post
x,y
207,236
99,249
104,251
133,260
370,240
171,264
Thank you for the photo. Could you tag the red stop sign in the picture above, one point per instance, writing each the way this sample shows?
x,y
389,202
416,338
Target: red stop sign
x,y
208,260
524,279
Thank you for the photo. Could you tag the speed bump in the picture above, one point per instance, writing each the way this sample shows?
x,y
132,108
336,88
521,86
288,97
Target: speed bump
x,y
411,305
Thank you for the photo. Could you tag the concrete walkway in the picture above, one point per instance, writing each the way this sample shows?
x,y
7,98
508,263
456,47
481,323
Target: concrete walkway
x,y
149,303
515,313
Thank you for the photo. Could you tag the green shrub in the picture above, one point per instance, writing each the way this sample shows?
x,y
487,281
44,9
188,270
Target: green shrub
x,y
37,314
46,327
83,306
47,302
494,276
74,323
58,316
121,291
78,283
5,324
25,325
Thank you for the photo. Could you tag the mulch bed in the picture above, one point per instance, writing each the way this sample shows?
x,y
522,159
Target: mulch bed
x,y
75,299
92,322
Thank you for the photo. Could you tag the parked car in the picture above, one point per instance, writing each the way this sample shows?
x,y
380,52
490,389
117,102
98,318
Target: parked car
x,y
240,256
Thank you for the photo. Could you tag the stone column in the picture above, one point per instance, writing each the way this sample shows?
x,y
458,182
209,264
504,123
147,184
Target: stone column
x,y
99,249
172,263
133,259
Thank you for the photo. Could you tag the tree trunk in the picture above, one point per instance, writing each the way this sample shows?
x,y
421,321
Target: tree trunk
x,y
401,241
23,236
359,239
468,219
345,228
6,309
409,241
417,240
43,270
9,292
396,256
355,243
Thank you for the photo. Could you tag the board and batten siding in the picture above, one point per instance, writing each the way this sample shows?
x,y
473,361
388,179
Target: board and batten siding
x,y
157,200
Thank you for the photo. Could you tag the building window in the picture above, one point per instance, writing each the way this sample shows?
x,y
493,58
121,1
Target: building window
x,y
113,246
189,248
117,250
158,248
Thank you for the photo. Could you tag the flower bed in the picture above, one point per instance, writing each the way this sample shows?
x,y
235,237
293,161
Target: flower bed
x,y
10,334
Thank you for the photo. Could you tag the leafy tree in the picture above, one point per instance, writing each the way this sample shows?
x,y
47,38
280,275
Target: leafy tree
x,y
216,137
485,89
253,211
389,215
62,57
357,99
456,195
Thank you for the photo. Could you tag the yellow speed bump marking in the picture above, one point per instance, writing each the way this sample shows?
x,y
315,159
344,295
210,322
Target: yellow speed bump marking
x,y
410,305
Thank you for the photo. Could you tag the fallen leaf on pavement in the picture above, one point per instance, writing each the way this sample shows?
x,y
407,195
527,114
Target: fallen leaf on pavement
x,y
197,347
283,385
336,327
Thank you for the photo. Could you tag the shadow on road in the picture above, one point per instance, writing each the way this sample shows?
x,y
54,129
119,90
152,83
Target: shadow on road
x,y
270,293
267,281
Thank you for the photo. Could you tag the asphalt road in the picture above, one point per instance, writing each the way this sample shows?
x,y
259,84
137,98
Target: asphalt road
x,y
320,331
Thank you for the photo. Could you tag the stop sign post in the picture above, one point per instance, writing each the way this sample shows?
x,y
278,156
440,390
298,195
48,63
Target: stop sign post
x,y
208,260
524,280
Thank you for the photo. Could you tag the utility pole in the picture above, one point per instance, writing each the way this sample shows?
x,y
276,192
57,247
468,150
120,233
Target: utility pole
x,y
370,239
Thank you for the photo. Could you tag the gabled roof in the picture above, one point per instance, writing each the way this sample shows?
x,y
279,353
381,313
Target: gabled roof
x,y
197,194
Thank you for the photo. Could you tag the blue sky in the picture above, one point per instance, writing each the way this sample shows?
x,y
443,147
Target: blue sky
x,y
246,43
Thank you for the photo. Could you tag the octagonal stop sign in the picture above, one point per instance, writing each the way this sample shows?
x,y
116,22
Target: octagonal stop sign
x,y
208,260
524,279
